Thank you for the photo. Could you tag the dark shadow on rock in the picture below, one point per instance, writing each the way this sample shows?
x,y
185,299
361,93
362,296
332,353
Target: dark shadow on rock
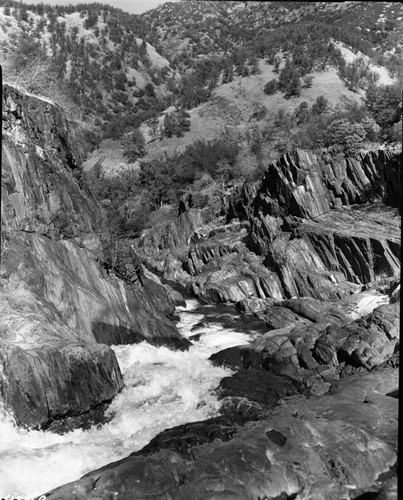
x,y
184,437
115,334
95,417
258,386
120,335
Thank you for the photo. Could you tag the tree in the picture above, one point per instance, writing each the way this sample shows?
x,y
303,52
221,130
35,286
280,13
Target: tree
x,y
134,146
228,74
276,64
384,103
346,134
149,90
289,80
371,129
294,87
182,122
282,120
302,113
91,20
271,87
320,106
256,143
169,125
307,81
157,178
120,81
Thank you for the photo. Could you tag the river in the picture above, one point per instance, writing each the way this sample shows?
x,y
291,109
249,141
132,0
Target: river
x,y
163,389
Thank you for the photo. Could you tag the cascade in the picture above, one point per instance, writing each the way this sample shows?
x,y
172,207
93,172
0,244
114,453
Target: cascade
x,y
163,388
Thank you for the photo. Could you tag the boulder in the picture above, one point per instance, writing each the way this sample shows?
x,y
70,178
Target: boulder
x,y
278,457
57,378
367,342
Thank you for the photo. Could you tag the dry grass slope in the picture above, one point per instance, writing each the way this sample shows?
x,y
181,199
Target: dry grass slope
x,y
233,104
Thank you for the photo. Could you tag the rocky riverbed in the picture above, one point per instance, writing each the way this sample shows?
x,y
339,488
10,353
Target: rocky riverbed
x,y
300,271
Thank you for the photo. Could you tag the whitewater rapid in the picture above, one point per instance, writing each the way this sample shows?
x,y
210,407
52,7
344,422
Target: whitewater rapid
x,y
163,389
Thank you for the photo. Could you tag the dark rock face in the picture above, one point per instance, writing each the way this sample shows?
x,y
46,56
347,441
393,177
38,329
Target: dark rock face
x,y
40,161
56,379
57,303
285,455
264,388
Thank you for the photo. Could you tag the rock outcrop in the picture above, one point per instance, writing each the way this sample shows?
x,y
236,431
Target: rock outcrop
x,y
296,419
305,185
311,252
314,226
302,447
57,303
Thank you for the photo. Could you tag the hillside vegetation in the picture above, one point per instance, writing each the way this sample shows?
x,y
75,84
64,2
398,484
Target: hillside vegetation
x,y
194,97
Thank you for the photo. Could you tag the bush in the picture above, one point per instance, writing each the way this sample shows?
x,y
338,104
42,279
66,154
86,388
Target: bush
x,y
384,104
346,134
271,87
176,123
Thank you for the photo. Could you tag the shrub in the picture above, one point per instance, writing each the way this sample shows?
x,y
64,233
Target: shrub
x,y
271,87
346,134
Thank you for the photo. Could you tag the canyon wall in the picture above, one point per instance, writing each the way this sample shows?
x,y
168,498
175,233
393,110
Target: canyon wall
x,y
59,308
320,226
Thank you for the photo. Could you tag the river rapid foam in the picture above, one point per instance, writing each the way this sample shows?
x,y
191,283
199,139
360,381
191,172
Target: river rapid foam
x,y
163,389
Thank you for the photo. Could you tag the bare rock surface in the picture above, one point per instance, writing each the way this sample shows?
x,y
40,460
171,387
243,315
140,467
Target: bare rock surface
x,y
58,305
318,226
280,434
294,451
55,378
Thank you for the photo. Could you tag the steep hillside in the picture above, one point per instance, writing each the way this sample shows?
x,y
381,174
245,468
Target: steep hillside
x,y
93,58
195,27
243,106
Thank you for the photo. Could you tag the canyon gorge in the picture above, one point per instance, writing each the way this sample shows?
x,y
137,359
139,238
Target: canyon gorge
x,y
301,269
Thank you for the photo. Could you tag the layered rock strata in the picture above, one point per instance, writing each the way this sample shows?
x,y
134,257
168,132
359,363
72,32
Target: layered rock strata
x,y
57,303
314,226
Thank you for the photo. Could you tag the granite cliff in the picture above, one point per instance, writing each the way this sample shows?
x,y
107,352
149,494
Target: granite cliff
x,y
60,310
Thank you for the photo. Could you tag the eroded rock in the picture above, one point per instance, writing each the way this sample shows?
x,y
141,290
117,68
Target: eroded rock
x,y
57,303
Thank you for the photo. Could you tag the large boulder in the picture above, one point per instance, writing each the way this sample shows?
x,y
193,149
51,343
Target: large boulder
x,y
335,446
56,378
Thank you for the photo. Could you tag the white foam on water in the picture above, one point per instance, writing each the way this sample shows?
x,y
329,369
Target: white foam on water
x,y
163,388
212,337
